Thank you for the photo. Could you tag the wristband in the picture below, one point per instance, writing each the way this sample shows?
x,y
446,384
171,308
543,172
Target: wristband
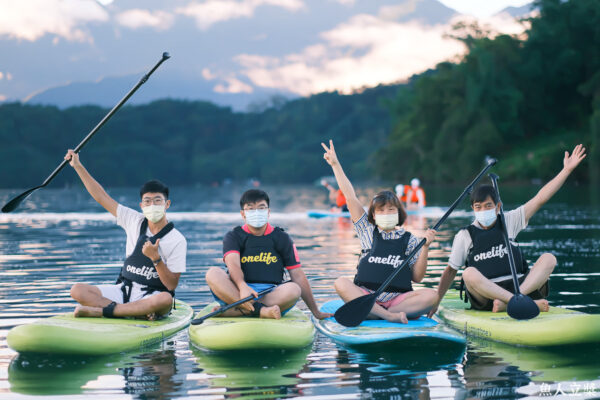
x,y
155,262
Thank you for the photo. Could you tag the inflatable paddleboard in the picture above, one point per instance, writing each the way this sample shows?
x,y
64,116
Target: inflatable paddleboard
x,y
65,334
293,331
421,332
557,327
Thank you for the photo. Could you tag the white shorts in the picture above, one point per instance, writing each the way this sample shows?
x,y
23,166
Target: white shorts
x,y
115,293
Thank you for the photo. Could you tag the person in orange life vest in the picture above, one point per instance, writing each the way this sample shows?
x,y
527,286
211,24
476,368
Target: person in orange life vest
x,y
480,247
256,256
385,245
336,197
415,195
402,192
156,255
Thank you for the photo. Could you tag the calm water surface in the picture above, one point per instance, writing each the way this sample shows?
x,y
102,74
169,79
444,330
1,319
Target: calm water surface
x,y
61,237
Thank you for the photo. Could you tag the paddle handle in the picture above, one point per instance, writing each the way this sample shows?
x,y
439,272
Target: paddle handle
x,y
108,116
511,257
490,163
200,320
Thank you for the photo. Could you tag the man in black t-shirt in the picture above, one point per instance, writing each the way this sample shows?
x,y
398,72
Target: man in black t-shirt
x,y
257,255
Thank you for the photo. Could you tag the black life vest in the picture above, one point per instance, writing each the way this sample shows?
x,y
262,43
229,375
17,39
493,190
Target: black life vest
x,y
260,260
139,268
378,263
489,254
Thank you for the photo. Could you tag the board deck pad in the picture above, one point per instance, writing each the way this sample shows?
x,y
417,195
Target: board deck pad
x,y
557,327
65,334
416,332
293,331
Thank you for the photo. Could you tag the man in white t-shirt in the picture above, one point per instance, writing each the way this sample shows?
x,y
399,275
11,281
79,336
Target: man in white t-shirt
x,y
480,248
155,255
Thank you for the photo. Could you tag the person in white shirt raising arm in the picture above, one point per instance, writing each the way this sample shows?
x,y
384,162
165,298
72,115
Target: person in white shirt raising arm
x,y
480,248
155,255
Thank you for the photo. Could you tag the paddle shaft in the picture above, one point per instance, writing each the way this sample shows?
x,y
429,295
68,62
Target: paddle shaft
x,y
200,320
106,118
511,257
385,284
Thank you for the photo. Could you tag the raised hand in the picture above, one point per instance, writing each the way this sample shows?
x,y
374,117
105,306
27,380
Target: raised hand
x,y
330,155
572,161
73,157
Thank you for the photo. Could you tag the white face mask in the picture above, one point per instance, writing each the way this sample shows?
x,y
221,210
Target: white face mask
x,y
486,218
256,218
386,221
154,213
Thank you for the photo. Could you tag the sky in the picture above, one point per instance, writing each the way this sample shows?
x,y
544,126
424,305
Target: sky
x,y
233,47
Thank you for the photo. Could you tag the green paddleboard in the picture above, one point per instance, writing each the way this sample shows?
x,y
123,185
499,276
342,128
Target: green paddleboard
x,y
557,327
65,334
293,331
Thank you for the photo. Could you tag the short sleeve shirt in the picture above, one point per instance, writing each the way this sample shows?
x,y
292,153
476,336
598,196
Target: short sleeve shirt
x,y
283,245
172,247
364,230
515,223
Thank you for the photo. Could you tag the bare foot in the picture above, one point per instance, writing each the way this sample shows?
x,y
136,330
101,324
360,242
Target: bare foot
x,y
85,311
543,305
499,306
398,317
272,312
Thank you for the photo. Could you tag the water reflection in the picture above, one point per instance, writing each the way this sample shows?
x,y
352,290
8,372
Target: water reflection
x,y
42,255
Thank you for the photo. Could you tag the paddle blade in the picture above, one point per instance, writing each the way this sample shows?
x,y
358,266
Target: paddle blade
x,y
356,311
14,203
521,306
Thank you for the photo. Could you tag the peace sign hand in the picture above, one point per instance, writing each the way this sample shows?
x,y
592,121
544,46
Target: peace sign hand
x,y
330,155
151,250
572,161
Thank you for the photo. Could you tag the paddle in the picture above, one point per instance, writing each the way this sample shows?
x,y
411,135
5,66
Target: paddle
x,y
520,306
15,202
200,320
355,311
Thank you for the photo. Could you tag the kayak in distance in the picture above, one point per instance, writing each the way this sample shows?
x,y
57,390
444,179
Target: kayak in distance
x,y
65,334
557,327
293,331
420,332
425,211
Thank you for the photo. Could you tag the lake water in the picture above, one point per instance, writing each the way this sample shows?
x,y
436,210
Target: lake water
x,y
60,237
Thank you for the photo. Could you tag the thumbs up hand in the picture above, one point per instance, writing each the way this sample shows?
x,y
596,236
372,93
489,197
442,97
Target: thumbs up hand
x,y
151,250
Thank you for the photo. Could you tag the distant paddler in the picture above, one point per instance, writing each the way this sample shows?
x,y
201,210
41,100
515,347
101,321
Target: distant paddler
x,y
257,255
480,249
336,197
415,197
402,192
385,245
155,255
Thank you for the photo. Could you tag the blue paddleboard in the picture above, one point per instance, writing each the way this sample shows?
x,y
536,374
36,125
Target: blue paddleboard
x,y
416,332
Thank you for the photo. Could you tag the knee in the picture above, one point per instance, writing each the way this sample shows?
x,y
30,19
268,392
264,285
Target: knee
x,y
293,289
471,275
213,275
162,300
76,290
341,284
549,260
430,296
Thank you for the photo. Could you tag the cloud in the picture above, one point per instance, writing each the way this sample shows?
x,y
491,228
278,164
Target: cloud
x,y
138,18
233,86
32,19
3,97
364,51
213,11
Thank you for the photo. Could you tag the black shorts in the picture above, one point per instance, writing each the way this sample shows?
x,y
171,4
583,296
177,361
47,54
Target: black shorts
x,y
507,284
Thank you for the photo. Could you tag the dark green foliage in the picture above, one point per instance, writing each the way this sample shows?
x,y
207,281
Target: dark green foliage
x,y
523,101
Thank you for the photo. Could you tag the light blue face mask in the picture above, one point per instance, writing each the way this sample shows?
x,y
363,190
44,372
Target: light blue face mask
x,y
486,218
257,218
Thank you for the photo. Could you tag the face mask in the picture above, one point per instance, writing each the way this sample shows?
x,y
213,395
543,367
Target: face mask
x,y
386,221
256,218
154,213
487,217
